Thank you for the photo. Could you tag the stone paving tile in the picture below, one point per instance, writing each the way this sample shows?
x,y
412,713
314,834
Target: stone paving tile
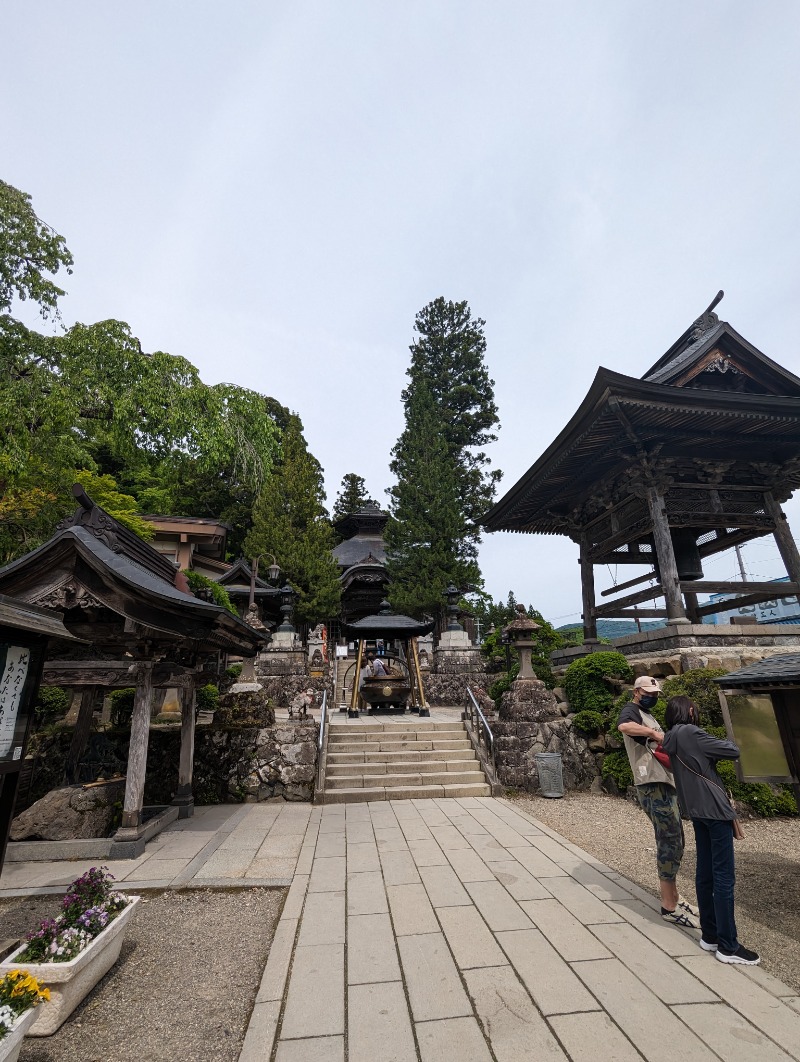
x,y
261,1031
293,904
648,962
650,1025
315,1002
537,863
793,1002
359,831
411,910
583,904
434,987
518,821
766,980
378,1024
330,844
555,850
454,1040
371,952
362,856
390,839
427,853
448,837
416,830
728,1034
443,887
520,883
273,980
168,868
754,1003
571,939
515,1028
470,941
323,919
583,1034
468,865
327,875
366,894
598,884
671,939
498,908
430,814
271,868
399,868
319,1049
551,981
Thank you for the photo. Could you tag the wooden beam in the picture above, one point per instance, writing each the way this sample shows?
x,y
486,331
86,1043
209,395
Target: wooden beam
x,y
137,749
631,599
787,547
184,798
630,582
667,565
639,613
703,586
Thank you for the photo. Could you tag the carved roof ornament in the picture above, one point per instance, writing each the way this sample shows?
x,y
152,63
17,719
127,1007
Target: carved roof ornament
x,y
723,364
91,517
708,320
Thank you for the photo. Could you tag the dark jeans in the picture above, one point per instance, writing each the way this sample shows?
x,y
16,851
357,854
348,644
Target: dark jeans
x,y
715,880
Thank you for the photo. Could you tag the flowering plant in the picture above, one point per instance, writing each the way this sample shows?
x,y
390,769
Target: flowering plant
x,y
87,908
18,993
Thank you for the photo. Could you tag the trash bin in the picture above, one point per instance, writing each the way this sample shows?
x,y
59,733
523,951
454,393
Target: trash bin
x,y
551,782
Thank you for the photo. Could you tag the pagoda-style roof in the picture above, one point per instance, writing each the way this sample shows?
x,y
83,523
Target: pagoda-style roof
x,y
112,586
236,581
370,519
388,624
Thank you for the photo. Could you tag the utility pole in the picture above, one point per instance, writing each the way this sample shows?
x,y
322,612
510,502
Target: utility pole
x,y
741,564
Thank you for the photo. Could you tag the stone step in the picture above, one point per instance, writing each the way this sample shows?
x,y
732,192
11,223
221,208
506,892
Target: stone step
x,y
445,745
409,755
437,766
417,792
403,778
398,733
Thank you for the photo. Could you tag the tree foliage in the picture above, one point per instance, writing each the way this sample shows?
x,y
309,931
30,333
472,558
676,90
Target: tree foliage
x,y
91,388
351,497
290,521
443,482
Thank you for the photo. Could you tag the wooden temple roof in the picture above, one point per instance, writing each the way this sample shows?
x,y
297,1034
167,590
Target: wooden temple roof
x,y
748,422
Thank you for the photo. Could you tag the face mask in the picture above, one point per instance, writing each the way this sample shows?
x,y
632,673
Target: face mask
x,y
647,700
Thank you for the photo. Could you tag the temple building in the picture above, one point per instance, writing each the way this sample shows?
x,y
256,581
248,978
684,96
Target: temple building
x,y
666,471
361,557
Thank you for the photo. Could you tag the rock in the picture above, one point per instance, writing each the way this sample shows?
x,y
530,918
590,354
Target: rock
x,y
530,700
560,694
75,812
250,707
690,661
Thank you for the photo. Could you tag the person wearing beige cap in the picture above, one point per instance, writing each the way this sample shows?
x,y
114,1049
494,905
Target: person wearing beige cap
x,y
655,786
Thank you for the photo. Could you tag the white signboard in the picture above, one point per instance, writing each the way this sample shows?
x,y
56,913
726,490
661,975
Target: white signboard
x,y
12,682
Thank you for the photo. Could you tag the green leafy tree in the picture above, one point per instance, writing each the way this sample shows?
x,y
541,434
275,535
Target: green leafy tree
x,y
351,497
425,545
290,521
29,249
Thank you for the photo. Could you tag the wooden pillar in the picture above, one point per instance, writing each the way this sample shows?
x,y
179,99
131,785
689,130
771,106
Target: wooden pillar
x,y
667,566
692,606
91,701
787,547
137,752
587,589
184,798
352,712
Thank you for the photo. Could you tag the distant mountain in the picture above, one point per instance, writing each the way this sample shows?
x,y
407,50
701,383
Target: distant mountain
x,y
615,628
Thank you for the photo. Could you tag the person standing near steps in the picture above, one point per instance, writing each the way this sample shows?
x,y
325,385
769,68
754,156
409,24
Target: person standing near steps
x,y
655,786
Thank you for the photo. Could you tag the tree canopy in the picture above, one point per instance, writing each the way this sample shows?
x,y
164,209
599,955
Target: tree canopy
x,y
351,497
90,391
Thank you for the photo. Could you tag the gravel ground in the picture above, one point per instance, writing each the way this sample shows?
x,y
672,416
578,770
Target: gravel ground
x,y
619,834
183,987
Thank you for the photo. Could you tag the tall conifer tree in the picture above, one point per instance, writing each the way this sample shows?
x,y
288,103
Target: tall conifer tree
x,y
290,521
352,495
443,482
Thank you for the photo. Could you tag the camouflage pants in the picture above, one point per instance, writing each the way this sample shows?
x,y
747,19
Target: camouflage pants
x,y
661,805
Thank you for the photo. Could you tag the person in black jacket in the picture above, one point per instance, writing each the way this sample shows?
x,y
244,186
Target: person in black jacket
x,y
702,798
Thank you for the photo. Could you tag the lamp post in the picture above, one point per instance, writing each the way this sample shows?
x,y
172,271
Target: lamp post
x,y
273,571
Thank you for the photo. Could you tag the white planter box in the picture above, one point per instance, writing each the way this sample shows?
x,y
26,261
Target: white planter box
x,y
70,982
9,1047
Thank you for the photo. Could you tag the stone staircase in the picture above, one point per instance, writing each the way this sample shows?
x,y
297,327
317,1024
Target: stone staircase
x,y
371,760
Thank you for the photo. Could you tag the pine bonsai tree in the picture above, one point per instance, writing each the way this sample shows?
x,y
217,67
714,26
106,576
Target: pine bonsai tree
x,y
290,521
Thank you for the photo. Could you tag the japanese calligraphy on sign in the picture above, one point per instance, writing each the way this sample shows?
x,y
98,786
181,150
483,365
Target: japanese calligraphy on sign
x,y
13,673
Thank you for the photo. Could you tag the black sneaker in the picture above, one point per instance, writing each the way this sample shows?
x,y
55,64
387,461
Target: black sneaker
x,y
742,956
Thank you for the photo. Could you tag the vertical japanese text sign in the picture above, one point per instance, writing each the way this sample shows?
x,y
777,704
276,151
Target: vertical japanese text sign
x,y
14,664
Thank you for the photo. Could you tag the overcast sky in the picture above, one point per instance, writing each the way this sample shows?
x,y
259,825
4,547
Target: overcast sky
x,y
273,190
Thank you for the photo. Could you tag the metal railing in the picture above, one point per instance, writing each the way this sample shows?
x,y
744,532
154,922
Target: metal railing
x,y
323,718
481,728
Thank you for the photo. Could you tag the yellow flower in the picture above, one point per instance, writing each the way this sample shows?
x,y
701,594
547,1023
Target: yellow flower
x,y
44,993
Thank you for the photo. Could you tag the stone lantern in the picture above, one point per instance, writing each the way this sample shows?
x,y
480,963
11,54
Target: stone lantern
x,y
520,634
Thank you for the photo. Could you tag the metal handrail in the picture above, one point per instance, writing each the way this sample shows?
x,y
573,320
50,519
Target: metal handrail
x,y
482,728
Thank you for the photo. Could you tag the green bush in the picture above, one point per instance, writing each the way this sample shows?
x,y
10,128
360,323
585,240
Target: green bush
x,y
122,706
699,684
584,681
218,593
590,722
762,799
233,672
498,688
52,703
207,698
616,766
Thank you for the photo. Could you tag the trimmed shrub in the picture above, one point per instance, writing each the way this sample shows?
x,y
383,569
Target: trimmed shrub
x,y
590,722
617,767
699,684
122,706
207,698
52,703
584,681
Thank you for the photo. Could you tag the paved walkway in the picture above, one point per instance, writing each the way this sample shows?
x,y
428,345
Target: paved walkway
x,y
457,931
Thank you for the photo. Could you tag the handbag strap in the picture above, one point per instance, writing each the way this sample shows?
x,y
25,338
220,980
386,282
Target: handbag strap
x,y
710,781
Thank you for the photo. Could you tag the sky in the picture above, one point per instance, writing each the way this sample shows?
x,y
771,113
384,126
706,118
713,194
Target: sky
x,y
274,190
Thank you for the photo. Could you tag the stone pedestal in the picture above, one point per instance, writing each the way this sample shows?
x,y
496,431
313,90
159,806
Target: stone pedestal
x,y
530,721
456,664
